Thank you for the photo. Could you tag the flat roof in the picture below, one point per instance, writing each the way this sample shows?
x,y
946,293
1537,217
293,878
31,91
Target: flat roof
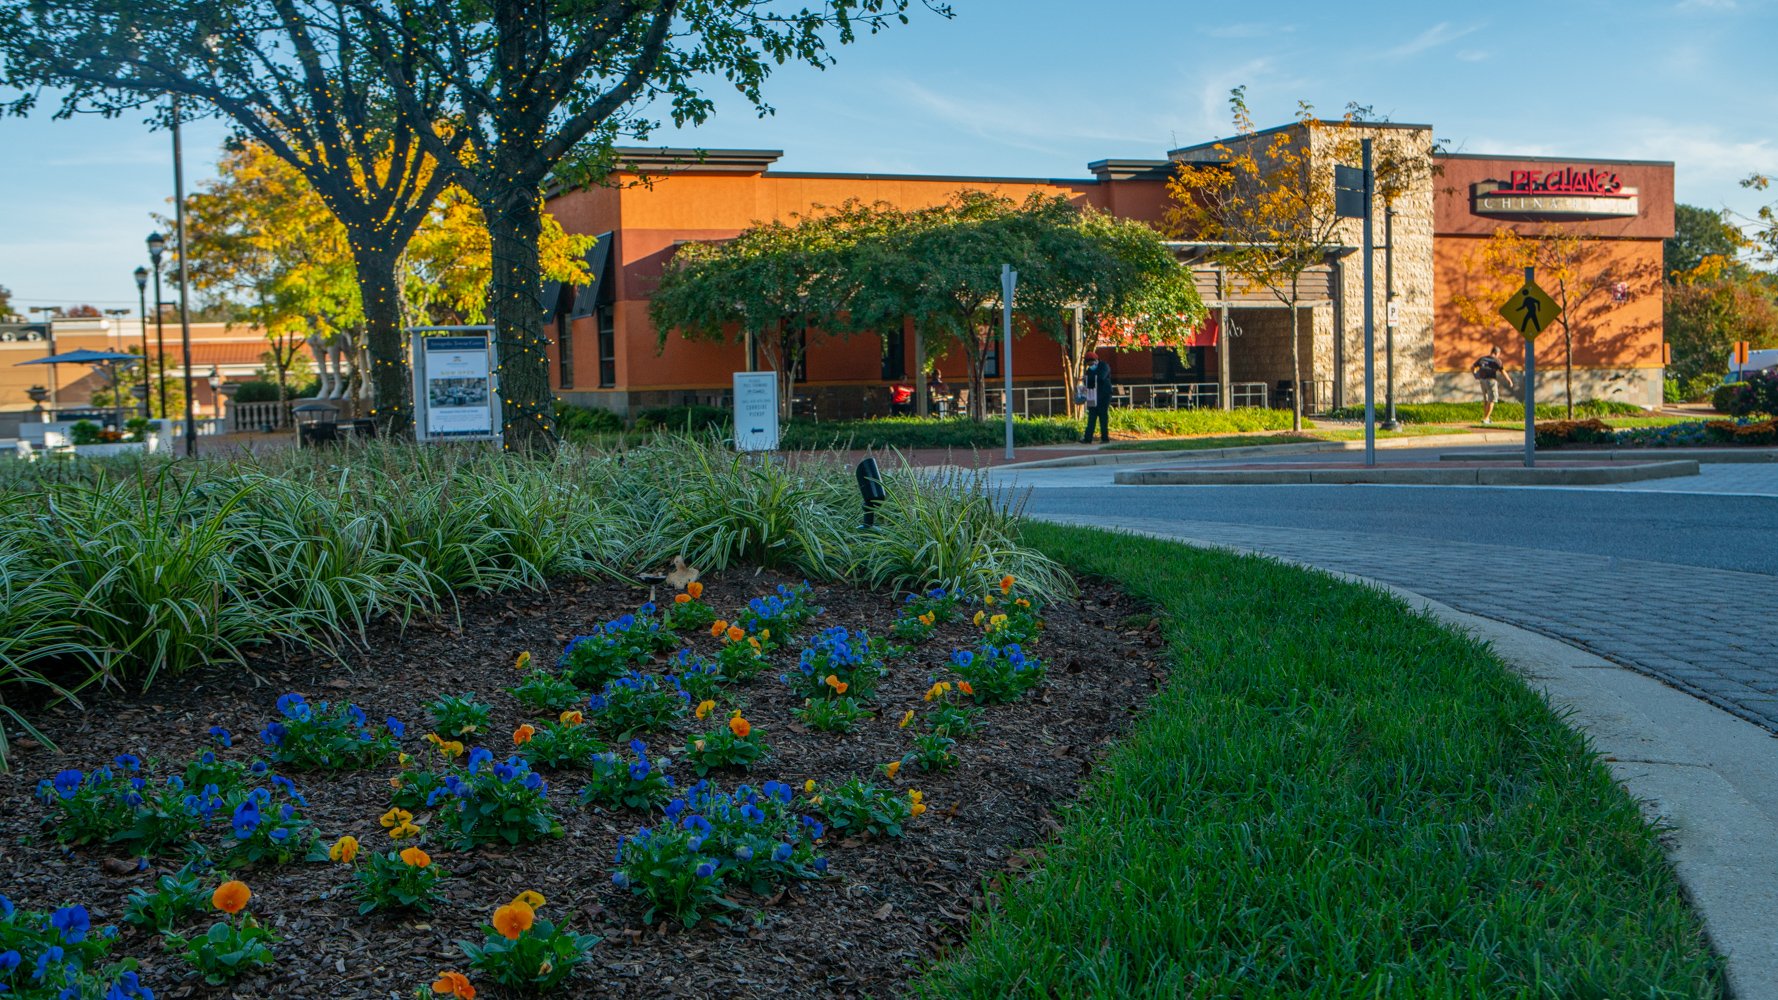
x,y
1173,153
1549,159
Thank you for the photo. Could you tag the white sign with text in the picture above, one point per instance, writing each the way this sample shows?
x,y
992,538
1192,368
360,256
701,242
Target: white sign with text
x,y
756,411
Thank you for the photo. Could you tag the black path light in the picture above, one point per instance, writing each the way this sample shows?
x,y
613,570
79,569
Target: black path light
x,y
870,488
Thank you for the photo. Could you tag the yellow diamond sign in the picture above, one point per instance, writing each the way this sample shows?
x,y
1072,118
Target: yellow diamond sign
x,y
1530,310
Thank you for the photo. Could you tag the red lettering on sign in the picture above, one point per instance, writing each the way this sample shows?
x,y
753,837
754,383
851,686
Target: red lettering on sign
x,y
1568,180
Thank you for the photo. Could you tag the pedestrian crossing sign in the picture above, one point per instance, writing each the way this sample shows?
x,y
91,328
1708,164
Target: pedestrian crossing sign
x,y
1530,310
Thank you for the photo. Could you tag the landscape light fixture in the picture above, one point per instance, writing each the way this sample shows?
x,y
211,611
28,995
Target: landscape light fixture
x,y
870,489
142,296
156,244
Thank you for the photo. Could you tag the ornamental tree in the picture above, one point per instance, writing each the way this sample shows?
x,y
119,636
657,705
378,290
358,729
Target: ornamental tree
x,y
287,73
1268,205
547,88
776,284
1579,271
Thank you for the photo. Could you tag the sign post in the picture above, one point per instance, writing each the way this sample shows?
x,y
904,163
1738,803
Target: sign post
x,y
1741,350
756,411
1009,283
456,390
1530,310
1354,192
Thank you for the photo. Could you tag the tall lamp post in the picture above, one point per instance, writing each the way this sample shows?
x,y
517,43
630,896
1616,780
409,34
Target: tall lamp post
x,y
49,331
156,244
142,294
191,427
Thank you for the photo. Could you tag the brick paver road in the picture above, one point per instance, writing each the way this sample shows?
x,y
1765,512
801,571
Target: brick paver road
x,y
1704,628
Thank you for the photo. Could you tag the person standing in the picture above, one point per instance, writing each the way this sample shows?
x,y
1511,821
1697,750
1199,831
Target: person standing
x,y
1490,371
901,398
1097,378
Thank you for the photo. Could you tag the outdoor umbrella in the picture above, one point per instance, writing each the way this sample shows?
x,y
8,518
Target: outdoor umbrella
x,y
86,357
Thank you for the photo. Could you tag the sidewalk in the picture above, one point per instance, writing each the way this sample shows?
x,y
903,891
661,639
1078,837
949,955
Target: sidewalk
x,y
1700,772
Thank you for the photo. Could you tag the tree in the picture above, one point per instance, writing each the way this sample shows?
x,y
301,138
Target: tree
x,y
1578,270
1708,309
777,282
448,267
154,375
1269,205
542,88
5,302
287,73
1699,233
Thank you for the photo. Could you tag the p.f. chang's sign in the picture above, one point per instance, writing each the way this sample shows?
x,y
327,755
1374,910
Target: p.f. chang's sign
x,y
1567,193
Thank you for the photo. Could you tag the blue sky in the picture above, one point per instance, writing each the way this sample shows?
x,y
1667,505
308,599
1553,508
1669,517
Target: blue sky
x,y
1041,87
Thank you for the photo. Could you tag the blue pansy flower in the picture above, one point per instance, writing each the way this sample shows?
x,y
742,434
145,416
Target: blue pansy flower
x,y
357,715
396,729
73,922
128,761
743,853
222,736
246,818
533,781
273,734
781,853
620,880
280,835
292,706
5,908
68,782
49,955
821,864
706,870
477,757
176,783
10,960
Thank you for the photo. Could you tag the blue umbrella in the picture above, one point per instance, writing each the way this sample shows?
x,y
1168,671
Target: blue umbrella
x,y
82,357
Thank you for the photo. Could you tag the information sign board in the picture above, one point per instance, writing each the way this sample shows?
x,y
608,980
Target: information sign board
x,y
456,395
756,411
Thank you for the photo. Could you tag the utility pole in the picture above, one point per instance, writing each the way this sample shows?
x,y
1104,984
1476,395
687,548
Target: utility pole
x,y
1009,283
156,245
1389,316
141,275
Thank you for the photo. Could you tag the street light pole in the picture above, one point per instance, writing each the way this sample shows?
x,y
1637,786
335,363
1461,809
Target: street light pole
x,y
156,244
142,294
191,427
1389,421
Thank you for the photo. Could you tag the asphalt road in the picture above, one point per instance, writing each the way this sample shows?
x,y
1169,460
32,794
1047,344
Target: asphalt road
x,y
1716,532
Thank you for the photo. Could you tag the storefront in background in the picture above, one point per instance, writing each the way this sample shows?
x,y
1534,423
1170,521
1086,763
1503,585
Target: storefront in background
x,y
606,352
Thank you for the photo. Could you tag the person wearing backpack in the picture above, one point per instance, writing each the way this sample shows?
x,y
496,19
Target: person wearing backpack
x,y
1095,393
1490,371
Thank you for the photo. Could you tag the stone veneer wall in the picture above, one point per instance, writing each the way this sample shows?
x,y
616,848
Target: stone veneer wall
x,y
1413,281
1640,386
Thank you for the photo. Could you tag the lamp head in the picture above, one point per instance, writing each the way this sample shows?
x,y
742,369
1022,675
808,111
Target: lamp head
x,y
156,244
141,279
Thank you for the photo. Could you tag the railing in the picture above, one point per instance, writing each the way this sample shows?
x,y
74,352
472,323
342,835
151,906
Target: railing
x,y
1052,400
258,416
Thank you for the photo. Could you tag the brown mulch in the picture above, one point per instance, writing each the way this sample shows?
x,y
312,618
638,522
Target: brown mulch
x,y
885,909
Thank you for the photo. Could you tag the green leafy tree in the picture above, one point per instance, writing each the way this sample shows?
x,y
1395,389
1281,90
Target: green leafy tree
x,y
777,284
547,88
287,73
5,302
1699,233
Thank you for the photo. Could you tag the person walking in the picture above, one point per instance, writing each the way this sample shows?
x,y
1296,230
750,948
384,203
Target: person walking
x,y
1490,371
901,398
1096,386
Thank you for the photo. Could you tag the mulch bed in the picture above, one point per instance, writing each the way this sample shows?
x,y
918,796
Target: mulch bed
x,y
885,908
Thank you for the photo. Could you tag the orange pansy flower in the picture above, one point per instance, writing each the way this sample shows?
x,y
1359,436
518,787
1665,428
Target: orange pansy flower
x,y
231,896
839,686
740,727
1006,584
571,718
681,598
718,626
736,633
523,734
513,919
453,984
695,589
413,857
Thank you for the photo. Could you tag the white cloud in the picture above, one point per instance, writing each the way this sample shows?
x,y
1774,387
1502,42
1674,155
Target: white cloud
x,y
1442,33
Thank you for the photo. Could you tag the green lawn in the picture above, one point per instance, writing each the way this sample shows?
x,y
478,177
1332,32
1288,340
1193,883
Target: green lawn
x,y
1250,440
1332,797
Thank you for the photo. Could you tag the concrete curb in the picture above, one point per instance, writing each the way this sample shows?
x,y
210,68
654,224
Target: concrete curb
x,y
1256,450
1704,775
1704,456
1542,475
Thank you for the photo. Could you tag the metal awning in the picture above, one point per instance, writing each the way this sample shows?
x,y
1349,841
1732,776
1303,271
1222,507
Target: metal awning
x,y
598,264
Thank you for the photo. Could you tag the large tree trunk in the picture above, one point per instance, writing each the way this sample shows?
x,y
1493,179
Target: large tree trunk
x,y
515,225
978,381
1296,373
391,385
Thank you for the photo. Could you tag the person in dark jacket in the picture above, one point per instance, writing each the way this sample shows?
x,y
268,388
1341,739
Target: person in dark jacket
x,y
1098,378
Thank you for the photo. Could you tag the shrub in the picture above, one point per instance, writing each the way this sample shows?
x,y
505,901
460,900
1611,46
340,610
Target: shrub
x,y
458,715
257,391
856,807
684,419
1504,412
831,715
119,806
84,432
997,674
634,783
1757,394
934,751
835,663
487,802
542,691
688,611
59,954
701,679
613,648
231,946
1557,433
741,655
1743,432
321,736
399,880
523,951
575,420
733,745
637,703
175,900
265,830
557,744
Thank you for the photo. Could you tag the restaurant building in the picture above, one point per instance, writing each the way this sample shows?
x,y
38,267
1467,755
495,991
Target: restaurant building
x,y
607,353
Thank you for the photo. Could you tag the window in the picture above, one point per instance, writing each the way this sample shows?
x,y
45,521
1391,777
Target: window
x,y
607,319
565,347
1168,367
